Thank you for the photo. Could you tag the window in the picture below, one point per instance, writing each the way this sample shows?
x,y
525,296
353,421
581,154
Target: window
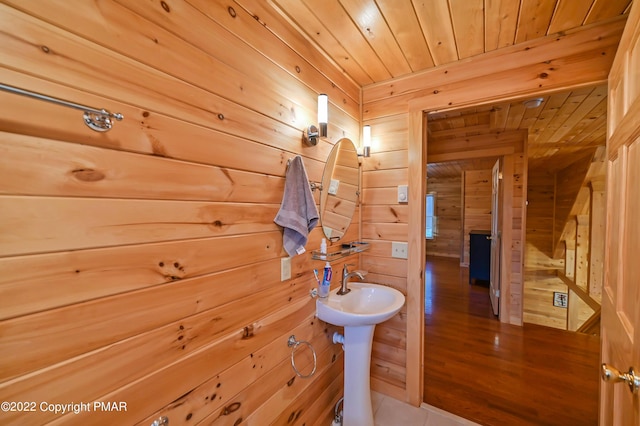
x,y
431,219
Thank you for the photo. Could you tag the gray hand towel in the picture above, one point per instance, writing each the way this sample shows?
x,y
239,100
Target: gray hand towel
x,y
298,214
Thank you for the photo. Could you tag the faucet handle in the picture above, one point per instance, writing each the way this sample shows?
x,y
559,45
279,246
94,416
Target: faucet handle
x,y
345,268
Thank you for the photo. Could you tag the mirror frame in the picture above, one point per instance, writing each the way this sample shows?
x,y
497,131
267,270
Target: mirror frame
x,y
340,189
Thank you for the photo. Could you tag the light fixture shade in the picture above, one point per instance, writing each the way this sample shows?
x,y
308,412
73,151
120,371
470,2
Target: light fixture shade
x,y
533,103
323,114
366,141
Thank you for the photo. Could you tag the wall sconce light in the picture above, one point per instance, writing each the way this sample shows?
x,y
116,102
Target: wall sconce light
x,y
323,114
366,141
312,134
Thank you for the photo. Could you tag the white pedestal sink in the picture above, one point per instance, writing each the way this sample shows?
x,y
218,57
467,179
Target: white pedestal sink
x,y
358,312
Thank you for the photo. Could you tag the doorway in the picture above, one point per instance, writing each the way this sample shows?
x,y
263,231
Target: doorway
x,y
521,180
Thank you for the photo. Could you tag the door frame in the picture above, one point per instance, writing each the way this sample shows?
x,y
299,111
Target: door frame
x,y
496,238
417,171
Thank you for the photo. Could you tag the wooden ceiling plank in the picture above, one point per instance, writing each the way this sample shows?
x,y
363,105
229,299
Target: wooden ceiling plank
x,y
337,22
444,115
308,24
444,147
516,112
468,25
593,129
436,25
404,24
562,120
375,30
556,100
454,169
569,14
492,140
471,120
535,17
457,132
582,109
528,121
437,127
606,9
499,115
534,54
456,122
283,28
449,115
471,154
501,20
552,105
564,112
597,131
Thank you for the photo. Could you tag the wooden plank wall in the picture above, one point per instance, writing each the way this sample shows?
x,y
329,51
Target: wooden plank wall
x,y
384,220
448,241
518,203
142,265
569,181
540,267
477,206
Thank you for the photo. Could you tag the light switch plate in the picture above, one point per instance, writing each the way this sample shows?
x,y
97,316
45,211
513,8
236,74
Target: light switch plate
x,y
285,268
403,193
399,250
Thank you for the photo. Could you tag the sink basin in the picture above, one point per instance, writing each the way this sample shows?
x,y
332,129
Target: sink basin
x,y
365,304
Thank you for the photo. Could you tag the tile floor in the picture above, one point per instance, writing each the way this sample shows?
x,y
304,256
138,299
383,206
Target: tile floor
x,y
391,412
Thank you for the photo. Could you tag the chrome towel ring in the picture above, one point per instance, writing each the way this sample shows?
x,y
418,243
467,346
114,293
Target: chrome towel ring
x,y
294,344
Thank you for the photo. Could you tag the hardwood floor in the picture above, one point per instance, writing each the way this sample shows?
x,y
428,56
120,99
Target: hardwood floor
x,y
499,374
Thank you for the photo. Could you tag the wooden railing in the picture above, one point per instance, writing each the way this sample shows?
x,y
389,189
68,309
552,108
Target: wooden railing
x,y
574,321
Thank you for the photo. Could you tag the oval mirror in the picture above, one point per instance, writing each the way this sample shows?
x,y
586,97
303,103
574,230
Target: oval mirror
x,y
340,189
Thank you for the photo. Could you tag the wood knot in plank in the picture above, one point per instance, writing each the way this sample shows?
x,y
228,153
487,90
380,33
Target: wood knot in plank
x,y
235,406
88,175
248,332
172,271
294,416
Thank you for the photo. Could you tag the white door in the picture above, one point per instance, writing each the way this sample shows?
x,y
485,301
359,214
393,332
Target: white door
x,y
494,275
619,406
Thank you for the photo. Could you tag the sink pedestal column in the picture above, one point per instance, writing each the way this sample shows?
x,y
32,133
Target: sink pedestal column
x,y
357,409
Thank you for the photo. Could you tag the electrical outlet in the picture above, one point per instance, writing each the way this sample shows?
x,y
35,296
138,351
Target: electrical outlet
x,y
285,268
399,250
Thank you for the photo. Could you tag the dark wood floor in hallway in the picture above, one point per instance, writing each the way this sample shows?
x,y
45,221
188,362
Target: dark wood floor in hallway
x,y
499,374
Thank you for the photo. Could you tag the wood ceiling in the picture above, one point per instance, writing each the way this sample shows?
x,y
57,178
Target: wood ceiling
x,y
378,40
564,128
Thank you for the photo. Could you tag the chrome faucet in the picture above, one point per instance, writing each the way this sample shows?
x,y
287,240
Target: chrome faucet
x,y
346,275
